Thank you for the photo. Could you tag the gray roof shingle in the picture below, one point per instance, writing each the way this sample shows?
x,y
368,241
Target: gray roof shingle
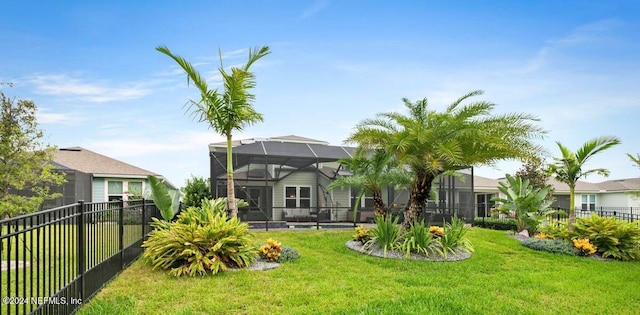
x,y
89,162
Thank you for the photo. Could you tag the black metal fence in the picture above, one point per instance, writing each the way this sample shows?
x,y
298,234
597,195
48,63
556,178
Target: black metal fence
x,y
630,214
55,260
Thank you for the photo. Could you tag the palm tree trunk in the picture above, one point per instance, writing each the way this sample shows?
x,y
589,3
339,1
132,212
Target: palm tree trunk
x,y
572,206
419,196
379,209
232,209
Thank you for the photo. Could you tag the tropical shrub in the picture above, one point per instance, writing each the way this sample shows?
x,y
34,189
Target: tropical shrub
x,y
495,224
271,250
167,203
556,230
386,234
288,254
612,237
558,246
529,204
362,234
584,246
418,239
199,247
453,238
195,191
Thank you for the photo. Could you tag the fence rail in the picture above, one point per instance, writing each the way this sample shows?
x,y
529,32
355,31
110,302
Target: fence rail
x,y
630,214
56,259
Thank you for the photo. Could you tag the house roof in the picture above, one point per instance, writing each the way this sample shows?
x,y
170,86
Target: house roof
x,y
485,182
626,184
89,162
580,186
294,151
289,138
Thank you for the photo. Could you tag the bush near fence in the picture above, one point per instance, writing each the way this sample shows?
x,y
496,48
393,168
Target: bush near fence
x,y
495,224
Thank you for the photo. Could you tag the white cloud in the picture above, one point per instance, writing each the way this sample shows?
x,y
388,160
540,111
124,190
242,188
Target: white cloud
x,y
46,117
96,92
315,8
581,35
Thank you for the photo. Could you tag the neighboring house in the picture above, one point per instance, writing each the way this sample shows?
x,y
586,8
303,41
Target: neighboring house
x,y
93,177
608,196
285,178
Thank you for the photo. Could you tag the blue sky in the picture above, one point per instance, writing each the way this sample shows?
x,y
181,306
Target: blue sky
x,y
92,69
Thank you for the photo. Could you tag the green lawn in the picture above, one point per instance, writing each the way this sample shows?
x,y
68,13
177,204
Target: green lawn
x,y
502,277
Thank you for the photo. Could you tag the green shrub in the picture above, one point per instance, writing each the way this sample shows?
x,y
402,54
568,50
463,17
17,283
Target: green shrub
x,y
195,191
288,254
386,234
197,244
453,238
418,239
612,237
557,230
495,224
557,246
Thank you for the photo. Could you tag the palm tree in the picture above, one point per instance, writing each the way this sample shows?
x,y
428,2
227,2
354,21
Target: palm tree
x,y
226,111
568,168
371,173
432,143
635,159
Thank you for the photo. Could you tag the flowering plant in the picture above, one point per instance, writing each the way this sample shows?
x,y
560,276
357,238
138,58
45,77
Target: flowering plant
x,y
436,231
271,250
584,246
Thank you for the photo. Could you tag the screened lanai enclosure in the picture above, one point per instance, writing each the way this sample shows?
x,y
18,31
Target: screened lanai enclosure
x,y
286,179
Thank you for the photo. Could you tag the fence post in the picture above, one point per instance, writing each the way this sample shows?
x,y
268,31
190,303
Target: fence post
x,y
121,233
144,217
81,251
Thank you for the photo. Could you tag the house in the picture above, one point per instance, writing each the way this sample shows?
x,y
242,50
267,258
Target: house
x,y
286,178
613,197
93,177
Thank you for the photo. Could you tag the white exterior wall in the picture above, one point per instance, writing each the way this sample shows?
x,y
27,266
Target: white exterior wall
x,y
614,200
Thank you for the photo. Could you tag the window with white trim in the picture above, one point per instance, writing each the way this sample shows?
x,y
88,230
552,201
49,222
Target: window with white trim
x,y
134,190
297,196
115,190
589,202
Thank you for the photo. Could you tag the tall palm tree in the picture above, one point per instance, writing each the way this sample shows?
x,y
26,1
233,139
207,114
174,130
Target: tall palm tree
x,y
226,111
432,142
568,168
371,173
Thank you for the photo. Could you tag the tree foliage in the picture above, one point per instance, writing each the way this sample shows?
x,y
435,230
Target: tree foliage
x,y
535,170
227,111
196,189
636,161
26,174
568,168
371,172
430,142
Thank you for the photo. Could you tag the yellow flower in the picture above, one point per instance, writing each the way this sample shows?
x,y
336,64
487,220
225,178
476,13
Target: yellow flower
x,y
584,246
544,235
436,231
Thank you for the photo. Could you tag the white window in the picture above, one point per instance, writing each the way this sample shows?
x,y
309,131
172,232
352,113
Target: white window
x,y
297,196
589,202
114,190
134,190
